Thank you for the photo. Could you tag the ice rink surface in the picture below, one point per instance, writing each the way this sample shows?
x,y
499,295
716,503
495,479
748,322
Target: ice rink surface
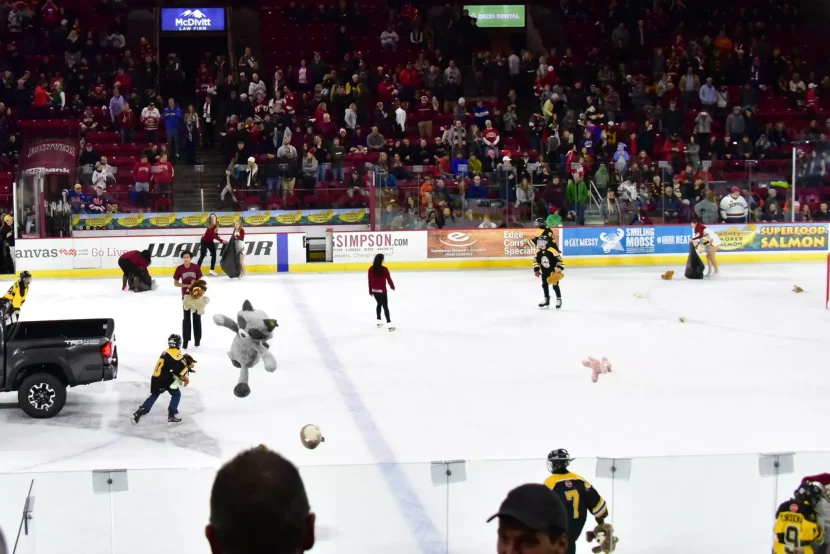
x,y
475,370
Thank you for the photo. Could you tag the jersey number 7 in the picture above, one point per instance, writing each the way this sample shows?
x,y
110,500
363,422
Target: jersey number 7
x,y
573,498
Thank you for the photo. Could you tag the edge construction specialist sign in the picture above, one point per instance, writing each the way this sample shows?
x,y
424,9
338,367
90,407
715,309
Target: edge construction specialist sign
x,y
484,243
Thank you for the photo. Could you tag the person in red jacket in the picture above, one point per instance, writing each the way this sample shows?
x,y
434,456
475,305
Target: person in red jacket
x,y
163,174
378,277
208,243
141,175
135,266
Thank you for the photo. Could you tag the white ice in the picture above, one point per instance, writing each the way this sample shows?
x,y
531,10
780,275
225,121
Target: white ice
x,y
475,371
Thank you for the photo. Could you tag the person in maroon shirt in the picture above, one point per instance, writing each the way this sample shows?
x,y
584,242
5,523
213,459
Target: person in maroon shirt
x,y
184,276
208,243
378,277
135,266
127,123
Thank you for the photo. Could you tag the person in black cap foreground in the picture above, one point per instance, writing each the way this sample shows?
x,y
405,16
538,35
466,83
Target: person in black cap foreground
x,y
532,521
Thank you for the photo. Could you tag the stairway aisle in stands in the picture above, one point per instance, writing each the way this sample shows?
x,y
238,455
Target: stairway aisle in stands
x,y
188,183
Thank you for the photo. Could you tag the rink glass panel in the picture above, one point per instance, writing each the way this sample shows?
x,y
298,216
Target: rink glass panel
x,y
28,207
661,504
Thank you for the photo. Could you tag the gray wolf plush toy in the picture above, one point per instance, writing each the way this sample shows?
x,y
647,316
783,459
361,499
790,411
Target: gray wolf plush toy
x,y
249,344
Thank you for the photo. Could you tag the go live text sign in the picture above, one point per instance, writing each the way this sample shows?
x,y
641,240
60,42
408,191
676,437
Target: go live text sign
x,y
498,16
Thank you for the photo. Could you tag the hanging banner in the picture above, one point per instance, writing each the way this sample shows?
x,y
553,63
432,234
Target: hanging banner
x,y
50,157
252,218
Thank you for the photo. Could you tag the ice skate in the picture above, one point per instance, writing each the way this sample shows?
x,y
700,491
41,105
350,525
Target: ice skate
x,y
546,303
380,324
558,303
213,272
153,285
391,327
173,418
137,415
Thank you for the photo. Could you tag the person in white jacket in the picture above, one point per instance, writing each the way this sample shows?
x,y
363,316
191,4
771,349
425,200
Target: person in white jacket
x,y
389,39
256,85
351,117
400,121
733,208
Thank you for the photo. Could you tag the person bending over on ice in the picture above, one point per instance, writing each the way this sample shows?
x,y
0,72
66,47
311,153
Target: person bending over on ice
x,y
15,297
171,372
135,266
549,265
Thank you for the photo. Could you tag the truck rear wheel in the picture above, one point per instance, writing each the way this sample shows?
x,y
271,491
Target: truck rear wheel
x,y
41,395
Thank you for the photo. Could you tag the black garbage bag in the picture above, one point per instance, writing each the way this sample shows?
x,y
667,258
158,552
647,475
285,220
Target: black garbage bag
x,y
145,282
230,259
694,265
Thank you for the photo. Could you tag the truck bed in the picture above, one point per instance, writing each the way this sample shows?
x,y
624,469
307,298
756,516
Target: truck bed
x,y
70,329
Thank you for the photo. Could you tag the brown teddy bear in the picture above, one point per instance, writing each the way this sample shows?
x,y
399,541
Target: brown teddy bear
x,y
667,276
604,535
195,299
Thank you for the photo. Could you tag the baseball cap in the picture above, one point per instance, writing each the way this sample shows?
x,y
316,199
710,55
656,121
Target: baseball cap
x,y
535,506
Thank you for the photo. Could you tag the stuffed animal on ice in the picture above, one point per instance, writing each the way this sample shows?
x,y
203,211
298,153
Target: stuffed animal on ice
x,y
604,535
597,367
311,436
195,299
250,344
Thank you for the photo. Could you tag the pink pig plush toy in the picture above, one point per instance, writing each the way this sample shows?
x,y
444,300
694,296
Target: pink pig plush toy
x,y
597,367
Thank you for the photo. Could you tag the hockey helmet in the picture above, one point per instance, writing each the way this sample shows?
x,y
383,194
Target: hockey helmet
x,y
809,491
174,341
558,459
540,222
25,275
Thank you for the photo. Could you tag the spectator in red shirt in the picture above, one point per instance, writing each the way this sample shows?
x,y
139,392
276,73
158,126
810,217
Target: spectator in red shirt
x,y
491,137
425,114
163,174
387,91
378,277
41,102
123,81
127,122
141,172
51,14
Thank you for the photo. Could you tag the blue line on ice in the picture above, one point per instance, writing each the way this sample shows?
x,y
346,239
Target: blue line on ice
x,y
425,532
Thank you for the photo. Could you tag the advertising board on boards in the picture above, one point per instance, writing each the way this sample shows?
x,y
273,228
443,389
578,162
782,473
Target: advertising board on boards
x,y
483,243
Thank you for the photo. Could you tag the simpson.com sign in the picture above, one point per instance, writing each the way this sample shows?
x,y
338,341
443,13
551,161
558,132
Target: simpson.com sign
x,y
192,19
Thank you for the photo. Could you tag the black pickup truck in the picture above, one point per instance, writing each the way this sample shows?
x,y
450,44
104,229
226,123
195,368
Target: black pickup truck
x,y
40,359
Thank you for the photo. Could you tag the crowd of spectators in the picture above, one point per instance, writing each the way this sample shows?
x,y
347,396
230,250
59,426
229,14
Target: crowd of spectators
x,y
588,124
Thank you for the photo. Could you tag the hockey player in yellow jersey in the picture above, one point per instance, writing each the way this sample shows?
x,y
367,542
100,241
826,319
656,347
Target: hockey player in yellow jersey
x,y
15,297
549,266
797,528
579,496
